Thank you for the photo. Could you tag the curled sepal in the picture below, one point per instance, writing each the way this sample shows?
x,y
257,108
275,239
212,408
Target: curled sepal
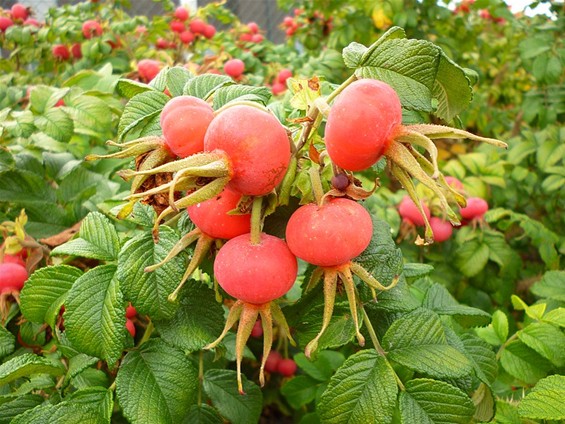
x,y
131,148
202,248
182,244
371,281
353,191
414,137
200,164
404,159
205,192
441,131
247,319
279,318
153,159
330,287
344,273
267,325
409,186
315,278
233,316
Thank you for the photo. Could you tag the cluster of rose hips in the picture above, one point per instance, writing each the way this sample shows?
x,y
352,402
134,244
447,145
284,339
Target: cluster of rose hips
x,y
472,213
90,29
17,15
291,24
279,83
185,30
251,33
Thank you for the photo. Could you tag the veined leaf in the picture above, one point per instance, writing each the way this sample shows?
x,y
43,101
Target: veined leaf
x,y
482,357
26,365
472,257
545,339
156,384
177,77
7,342
11,409
139,109
523,363
382,258
434,402
408,66
238,92
417,341
221,387
98,239
90,405
439,300
56,124
148,291
197,322
94,314
203,86
128,88
202,414
545,401
452,89
45,292
362,390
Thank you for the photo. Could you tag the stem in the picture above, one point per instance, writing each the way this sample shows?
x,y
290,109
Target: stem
x,y
256,221
317,188
372,333
338,90
506,343
200,375
378,347
147,335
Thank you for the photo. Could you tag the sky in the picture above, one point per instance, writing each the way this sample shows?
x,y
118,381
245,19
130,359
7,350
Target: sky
x,y
519,5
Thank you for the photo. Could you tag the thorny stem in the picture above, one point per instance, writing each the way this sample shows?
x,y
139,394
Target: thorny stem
x,y
378,347
256,221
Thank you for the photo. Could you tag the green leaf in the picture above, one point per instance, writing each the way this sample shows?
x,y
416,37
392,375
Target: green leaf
x,y
17,406
523,363
497,332
408,66
7,342
546,340
156,384
230,93
535,311
202,414
551,285
417,270
362,390
78,363
482,357
139,110
203,86
382,258
128,88
300,391
555,317
90,114
177,77
323,367
98,239
56,124
148,291
94,314
471,257
545,401
90,405
26,365
197,322
452,89
439,300
46,291
353,55
417,340
221,387
434,402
